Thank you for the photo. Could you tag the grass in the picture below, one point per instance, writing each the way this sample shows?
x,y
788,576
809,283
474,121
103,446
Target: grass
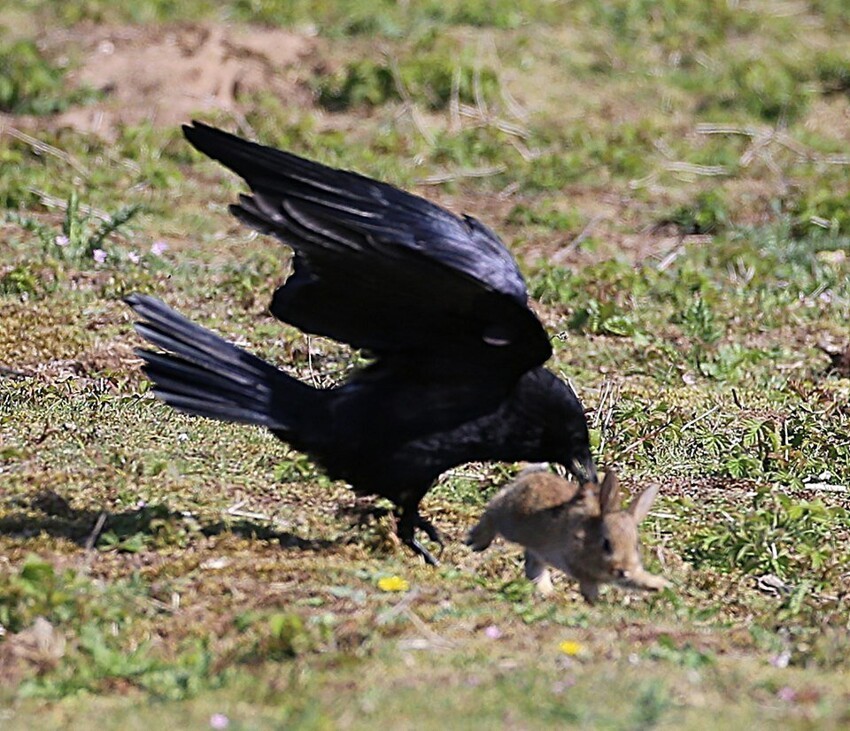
x,y
30,84
673,181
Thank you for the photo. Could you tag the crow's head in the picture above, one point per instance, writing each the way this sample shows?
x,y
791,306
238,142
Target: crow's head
x,y
567,436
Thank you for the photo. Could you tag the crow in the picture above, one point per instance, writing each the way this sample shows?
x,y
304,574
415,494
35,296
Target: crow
x,y
435,299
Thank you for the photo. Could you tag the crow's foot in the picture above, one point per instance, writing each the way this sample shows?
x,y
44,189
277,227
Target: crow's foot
x,y
429,530
420,550
408,521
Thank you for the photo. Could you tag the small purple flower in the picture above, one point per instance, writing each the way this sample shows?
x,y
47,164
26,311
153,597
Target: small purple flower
x,y
786,694
61,240
134,257
99,255
492,632
158,248
219,721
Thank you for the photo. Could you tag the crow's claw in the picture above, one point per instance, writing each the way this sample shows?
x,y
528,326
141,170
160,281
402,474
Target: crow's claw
x,y
408,521
428,528
419,549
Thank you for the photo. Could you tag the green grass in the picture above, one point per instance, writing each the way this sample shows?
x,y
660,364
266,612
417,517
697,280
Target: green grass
x,y
672,179
31,84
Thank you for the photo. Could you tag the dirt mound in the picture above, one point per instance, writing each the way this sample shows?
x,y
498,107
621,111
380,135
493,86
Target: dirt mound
x,y
164,75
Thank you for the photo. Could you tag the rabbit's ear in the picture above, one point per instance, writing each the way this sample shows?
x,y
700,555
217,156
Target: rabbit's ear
x,y
641,504
588,498
609,493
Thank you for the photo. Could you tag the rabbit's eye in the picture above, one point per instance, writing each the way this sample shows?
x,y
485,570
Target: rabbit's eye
x,y
606,545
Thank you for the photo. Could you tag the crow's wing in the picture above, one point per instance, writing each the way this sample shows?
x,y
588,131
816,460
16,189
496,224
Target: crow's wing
x,y
379,268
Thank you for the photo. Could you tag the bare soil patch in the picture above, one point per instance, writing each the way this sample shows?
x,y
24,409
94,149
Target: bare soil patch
x,y
163,75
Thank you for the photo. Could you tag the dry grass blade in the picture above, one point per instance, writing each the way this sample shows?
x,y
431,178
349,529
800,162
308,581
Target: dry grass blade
x,y
484,172
409,104
43,148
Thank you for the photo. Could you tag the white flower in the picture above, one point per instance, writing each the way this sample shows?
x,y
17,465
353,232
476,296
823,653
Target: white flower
x,y
99,255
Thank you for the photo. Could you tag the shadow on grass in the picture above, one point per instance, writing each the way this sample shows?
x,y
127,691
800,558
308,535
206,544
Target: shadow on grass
x,y
48,512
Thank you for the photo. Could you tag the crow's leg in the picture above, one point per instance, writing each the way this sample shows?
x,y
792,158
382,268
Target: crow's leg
x,y
428,528
408,521
365,512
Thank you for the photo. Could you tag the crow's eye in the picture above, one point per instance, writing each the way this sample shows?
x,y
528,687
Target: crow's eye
x,y
606,545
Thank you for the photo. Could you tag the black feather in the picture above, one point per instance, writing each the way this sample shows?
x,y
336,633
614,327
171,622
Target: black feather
x,y
436,298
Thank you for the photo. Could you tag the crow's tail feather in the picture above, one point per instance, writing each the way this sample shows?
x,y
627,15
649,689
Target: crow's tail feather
x,y
201,373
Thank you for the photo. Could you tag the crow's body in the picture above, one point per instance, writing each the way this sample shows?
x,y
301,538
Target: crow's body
x,y
437,299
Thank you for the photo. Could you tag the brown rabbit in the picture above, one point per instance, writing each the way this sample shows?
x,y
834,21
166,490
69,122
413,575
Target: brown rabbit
x,y
580,530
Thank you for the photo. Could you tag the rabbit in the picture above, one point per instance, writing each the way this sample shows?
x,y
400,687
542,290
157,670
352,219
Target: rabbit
x,y
579,529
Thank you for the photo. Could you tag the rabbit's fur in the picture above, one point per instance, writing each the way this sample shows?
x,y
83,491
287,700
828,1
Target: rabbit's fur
x,y
580,530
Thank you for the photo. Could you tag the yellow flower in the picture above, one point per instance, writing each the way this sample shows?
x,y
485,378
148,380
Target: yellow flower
x,y
393,583
571,648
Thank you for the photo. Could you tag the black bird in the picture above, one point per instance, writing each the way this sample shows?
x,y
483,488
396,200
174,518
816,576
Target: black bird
x,y
436,299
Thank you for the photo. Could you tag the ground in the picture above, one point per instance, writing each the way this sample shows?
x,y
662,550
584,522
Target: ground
x,y
674,180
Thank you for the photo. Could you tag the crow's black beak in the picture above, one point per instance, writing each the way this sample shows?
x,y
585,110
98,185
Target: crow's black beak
x,y
584,469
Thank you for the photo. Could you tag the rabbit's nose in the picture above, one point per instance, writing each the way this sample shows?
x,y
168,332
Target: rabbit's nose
x,y
620,573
